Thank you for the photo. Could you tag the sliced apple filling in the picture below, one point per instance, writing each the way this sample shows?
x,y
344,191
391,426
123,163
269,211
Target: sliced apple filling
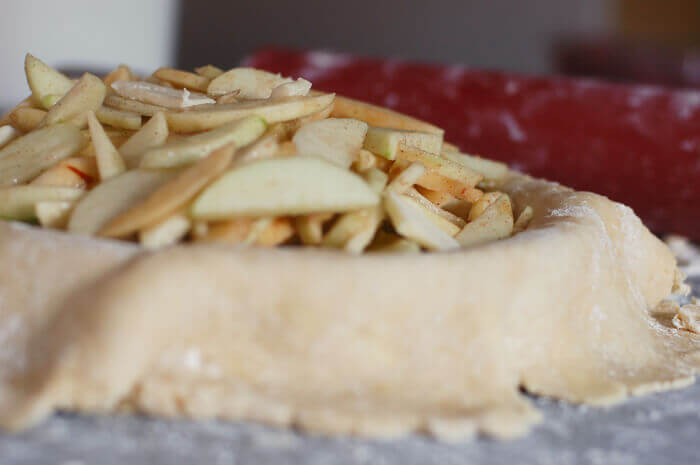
x,y
243,157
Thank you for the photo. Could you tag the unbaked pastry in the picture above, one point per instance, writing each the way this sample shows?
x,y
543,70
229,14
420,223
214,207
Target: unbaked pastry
x,y
374,344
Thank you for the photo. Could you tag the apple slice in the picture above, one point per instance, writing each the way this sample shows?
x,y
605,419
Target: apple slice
x,y
298,88
428,205
26,119
7,135
362,238
115,196
207,117
437,182
119,118
53,214
209,71
183,79
442,166
252,83
410,221
446,225
153,134
134,106
380,116
391,243
193,148
159,95
122,73
335,140
233,231
27,156
439,198
385,141
17,203
523,220
46,83
171,196
281,187
310,227
87,94
60,175
406,178
496,222
289,128
109,162
482,204
279,231
491,170
266,146
166,232
345,227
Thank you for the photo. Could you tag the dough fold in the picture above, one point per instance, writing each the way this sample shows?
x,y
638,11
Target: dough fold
x,y
376,345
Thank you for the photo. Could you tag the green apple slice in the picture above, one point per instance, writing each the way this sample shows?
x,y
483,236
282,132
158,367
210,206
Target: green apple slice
x,y
252,83
119,118
47,84
134,106
283,186
421,200
7,134
379,116
333,139
18,202
450,228
410,221
496,222
153,134
113,197
109,162
154,94
406,179
87,94
207,117
27,156
53,214
491,170
385,141
190,149
171,196
439,164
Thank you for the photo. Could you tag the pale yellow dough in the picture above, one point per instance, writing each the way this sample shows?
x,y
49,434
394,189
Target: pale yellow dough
x,y
377,345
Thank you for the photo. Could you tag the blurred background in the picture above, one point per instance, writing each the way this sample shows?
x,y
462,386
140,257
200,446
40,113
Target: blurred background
x,y
646,40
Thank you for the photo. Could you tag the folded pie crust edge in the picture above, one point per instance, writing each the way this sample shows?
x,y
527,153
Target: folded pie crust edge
x,y
377,345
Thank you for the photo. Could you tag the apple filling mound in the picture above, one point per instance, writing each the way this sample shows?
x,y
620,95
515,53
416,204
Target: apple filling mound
x,y
240,157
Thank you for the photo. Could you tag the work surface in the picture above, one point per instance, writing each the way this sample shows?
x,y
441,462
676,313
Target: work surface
x,y
661,429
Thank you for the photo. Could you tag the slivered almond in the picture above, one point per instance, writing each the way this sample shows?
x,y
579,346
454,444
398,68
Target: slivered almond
x,y
183,79
158,95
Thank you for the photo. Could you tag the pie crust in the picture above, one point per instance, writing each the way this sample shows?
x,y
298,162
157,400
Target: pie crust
x,y
377,345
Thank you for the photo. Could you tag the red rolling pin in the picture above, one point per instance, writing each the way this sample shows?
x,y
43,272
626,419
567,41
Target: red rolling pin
x,y
639,145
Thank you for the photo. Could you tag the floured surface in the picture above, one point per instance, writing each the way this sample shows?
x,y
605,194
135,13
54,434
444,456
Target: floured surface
x,y
377,345
657,429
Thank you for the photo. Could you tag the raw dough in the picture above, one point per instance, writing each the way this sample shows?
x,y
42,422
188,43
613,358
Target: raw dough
x,y
375,345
